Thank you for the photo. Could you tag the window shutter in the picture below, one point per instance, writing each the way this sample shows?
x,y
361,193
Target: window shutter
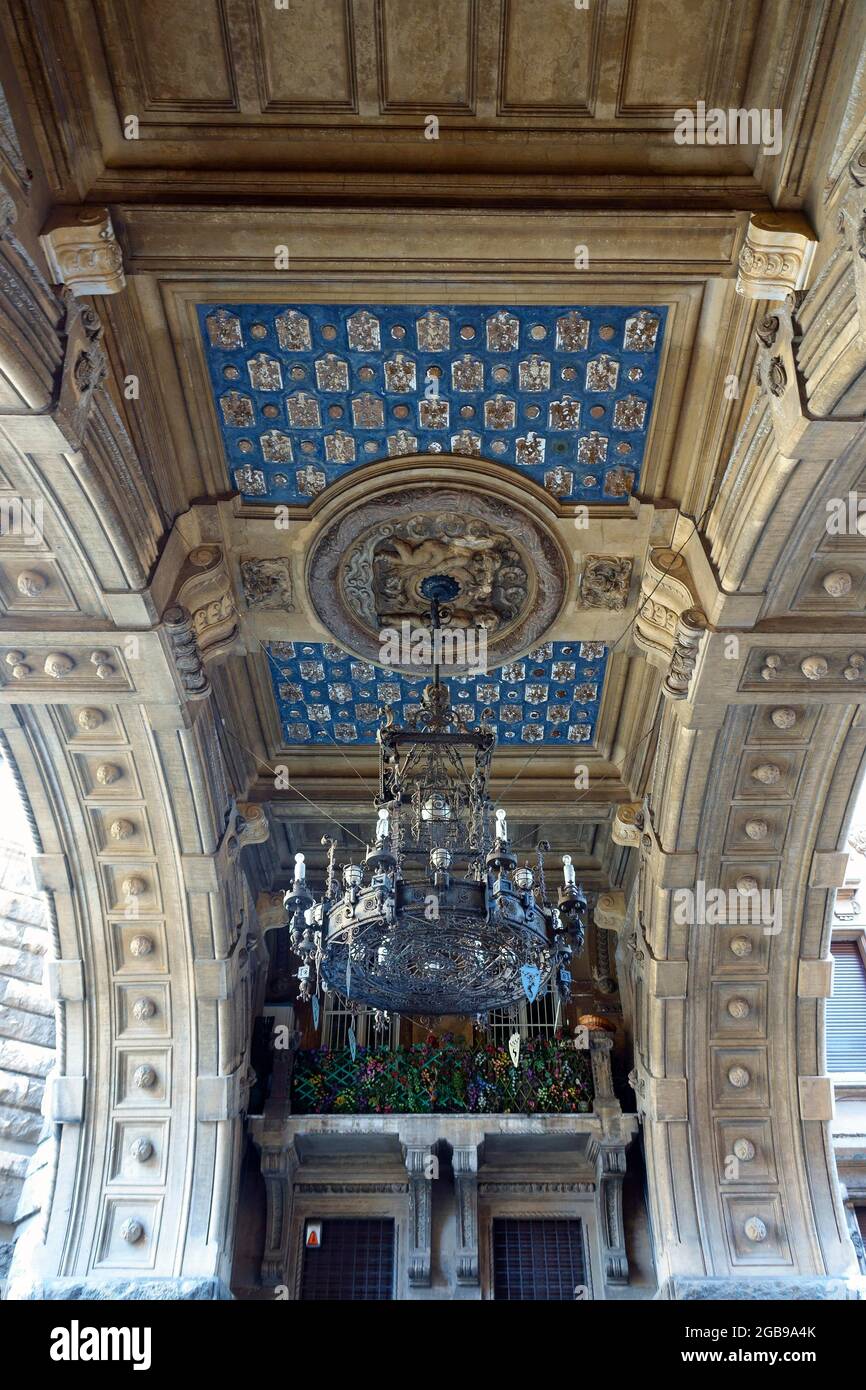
x,y
537,1261
846,1010
354,1261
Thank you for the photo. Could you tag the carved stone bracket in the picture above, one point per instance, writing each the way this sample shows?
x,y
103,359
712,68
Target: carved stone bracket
x,y
610,908
204,586
626,827
776,256
465,1165
420,1165
610,1163
600,1048
279,1167
252,824
82,252
670,625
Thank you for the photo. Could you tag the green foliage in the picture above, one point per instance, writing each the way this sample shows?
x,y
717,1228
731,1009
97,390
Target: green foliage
x,y
441,1077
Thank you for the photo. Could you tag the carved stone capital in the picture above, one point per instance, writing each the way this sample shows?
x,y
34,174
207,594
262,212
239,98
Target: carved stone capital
x,y
776,255
82,252
626,827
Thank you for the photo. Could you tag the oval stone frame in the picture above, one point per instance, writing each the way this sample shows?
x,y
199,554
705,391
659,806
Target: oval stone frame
x,y
354,519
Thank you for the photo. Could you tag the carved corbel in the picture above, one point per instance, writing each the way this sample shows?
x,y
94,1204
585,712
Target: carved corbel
x,y
465,1166
204,586
776,256
610,908
420,1163
610,1165
252,824
82,252
270,911
670,625
798,433
627,825
279,1167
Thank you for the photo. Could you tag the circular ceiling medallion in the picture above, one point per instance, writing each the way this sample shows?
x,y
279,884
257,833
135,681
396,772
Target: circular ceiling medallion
x,y
372,567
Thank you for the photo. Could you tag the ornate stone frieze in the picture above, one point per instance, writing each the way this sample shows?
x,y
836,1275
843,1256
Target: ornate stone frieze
x,y
605,580
82,252
776,255
800,670
268,584
670,625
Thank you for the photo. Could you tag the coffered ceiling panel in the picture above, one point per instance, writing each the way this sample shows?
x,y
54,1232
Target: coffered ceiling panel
x,y
661,73
199,75
549,58
552,696
305,66
427,64
305,393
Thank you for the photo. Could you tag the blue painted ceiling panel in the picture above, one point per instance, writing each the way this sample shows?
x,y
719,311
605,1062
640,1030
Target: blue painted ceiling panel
x,y
307,393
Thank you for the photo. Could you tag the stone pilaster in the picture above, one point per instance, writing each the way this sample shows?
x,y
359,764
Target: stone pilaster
x,y
420,1166
465,1166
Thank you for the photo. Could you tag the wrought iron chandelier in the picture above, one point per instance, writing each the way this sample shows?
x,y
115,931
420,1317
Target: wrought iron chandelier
x,y
438,919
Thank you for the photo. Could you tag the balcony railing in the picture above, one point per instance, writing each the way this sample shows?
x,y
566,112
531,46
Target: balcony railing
x,y
443,1078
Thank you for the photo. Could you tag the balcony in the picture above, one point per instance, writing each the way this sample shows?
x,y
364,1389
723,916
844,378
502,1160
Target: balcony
x,y
552,1077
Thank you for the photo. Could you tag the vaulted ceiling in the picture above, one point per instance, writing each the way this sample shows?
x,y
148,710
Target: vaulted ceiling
x,y
383,253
